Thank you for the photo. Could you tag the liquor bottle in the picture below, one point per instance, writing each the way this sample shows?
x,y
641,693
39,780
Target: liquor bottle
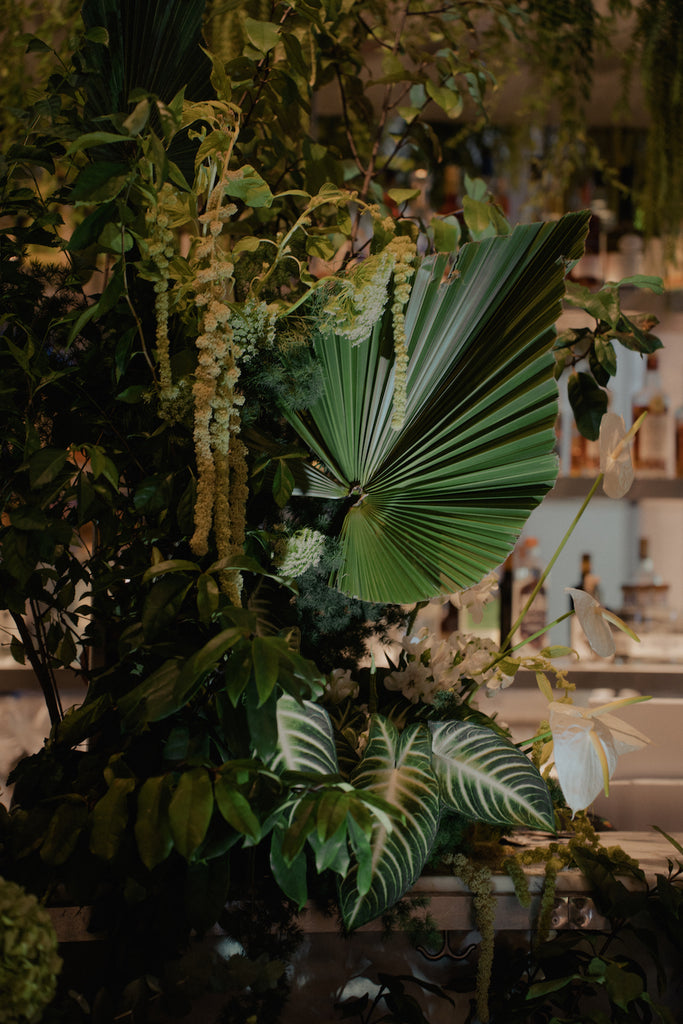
x,y
653,445
589,581
528,569
646,593
584,454
679,441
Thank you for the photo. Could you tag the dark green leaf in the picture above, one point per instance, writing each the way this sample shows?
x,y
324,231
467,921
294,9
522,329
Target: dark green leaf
x,y
265,658
98,181
110,818
190,811
152,827
588,402
65,827
46,465
163,604
208,595
235,808
88,231
290,877
283,482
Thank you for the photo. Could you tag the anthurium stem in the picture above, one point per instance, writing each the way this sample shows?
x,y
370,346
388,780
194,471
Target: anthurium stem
x,y
628,437
544,575
538,633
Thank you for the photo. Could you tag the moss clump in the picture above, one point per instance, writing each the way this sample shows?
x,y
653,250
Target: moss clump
x,y
29,963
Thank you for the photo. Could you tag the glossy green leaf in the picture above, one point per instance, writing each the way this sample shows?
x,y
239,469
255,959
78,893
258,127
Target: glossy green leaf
x,y
110,818
208,596
45,465
485,777
235,808
588,402
63,832
249,186
396,767
283,482
264,35
190,811
152,827
162,605
291,877
266,661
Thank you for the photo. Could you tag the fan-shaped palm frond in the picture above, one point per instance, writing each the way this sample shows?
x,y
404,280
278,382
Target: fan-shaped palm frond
x,y
153,45
437,504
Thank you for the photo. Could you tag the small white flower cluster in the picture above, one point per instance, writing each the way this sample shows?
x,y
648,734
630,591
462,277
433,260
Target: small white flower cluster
x,y
340,685
253,328
298,552
435,665
474,598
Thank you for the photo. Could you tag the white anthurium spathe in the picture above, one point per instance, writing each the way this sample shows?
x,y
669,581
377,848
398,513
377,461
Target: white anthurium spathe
x,y
615,454
594,621
586,745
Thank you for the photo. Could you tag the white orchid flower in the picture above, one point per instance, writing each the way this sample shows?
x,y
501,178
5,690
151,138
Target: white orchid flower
x,y
593,619
586,745
474,598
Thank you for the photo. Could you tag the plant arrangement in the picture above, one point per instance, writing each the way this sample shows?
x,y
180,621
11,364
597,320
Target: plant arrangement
x,y
250,427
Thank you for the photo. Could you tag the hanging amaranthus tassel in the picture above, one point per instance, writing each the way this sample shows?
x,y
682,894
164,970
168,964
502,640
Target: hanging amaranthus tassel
x,y
403,250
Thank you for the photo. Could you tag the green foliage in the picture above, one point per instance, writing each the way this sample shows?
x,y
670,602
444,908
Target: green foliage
x,y
29,963
163,223
657,50
593,348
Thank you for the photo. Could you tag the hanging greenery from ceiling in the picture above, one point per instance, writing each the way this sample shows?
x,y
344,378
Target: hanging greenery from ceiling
x,y
659,56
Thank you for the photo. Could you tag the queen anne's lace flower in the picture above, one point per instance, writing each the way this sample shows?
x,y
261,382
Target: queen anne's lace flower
x,y
299,552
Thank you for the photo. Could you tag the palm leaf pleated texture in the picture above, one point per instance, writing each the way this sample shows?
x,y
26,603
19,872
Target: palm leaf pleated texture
x,y
154,45
437,504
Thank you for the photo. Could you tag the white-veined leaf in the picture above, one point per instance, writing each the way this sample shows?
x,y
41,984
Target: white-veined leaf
x,y
483,776
305,738
397,767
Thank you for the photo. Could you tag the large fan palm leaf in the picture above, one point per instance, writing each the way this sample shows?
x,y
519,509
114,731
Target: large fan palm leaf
x,y
436,505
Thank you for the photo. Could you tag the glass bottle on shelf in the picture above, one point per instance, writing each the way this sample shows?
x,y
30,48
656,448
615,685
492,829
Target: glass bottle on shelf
x,y
679,441
653,445
584,455
526,573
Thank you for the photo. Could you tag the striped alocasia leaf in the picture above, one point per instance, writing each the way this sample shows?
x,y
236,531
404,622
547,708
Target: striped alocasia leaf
x,y
305,738
483,776
396,767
